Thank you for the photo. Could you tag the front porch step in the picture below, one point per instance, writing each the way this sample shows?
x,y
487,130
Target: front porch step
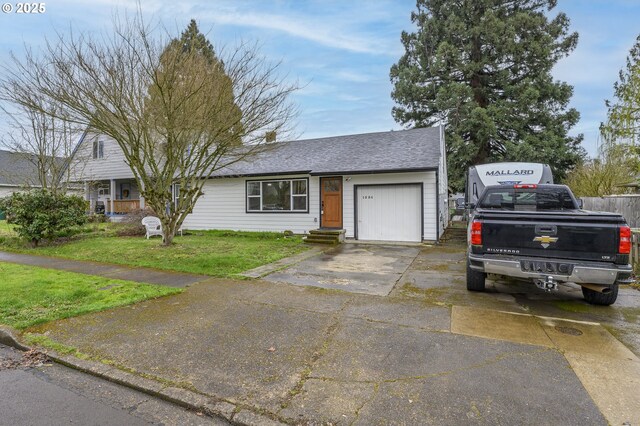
x,y
325,236
316,240
326,231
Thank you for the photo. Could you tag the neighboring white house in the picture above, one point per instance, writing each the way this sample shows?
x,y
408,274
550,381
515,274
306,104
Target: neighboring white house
x,y
389,186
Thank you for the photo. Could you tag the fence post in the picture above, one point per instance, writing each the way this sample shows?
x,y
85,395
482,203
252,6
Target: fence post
x,y
635,249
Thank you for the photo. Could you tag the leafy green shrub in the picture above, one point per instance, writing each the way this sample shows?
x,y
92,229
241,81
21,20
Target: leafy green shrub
x,y
41,215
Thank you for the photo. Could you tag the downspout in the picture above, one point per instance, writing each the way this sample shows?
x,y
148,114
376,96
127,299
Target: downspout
x,y
438,205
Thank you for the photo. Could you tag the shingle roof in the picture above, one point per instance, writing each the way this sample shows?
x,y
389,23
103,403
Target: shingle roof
x,y
402,150
16,169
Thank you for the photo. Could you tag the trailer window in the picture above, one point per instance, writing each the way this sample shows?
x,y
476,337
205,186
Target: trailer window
x,y
527,199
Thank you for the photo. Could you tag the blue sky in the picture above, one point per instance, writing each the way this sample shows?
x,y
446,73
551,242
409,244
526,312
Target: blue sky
x,y
342,50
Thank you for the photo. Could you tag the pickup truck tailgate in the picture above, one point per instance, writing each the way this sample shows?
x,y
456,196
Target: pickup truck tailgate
x,y
558,235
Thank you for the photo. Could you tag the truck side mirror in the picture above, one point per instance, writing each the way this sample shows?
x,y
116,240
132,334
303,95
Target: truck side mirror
x,y
460,203
580,203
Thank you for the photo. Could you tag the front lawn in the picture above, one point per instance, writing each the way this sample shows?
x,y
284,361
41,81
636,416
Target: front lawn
x,y
215,253
30,295
6,229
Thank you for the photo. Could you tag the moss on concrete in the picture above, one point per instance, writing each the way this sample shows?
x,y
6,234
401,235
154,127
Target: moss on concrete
x,y
572,306
45,342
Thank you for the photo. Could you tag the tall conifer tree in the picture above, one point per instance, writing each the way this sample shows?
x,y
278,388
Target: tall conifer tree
x,y
483,68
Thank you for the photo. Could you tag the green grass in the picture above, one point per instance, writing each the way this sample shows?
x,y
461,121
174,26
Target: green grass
x,y
6,229
30,295
214,253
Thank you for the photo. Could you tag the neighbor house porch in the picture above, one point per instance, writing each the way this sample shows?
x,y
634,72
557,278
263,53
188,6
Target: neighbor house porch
x,y
113,197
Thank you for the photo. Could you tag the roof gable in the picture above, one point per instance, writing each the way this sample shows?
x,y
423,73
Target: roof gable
x,y
17,169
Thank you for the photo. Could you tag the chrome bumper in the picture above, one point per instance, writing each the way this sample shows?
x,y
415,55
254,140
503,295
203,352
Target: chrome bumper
x,y
604,274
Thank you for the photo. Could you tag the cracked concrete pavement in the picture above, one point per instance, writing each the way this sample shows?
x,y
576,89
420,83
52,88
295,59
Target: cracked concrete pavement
x,y
430,352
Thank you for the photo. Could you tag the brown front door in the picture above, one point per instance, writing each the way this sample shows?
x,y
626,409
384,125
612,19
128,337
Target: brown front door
x,y
331,196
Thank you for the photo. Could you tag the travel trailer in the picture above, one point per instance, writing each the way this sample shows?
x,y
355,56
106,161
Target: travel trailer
x,y
483,175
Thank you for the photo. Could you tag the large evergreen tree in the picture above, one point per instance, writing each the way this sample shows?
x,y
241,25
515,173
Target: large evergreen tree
x,y
483,68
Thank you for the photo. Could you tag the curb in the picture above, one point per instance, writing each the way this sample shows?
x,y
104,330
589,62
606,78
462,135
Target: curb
x,y
7,338
210,406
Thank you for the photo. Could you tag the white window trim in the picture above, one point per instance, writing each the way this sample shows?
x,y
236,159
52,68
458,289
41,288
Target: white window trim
x,y
291,195
97,149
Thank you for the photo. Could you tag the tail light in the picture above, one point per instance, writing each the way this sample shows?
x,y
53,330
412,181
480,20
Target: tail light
x,y
625,240
526,186
476,233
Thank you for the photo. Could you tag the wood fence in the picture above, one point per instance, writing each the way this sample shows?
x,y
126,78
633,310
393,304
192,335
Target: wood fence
x,y
627,205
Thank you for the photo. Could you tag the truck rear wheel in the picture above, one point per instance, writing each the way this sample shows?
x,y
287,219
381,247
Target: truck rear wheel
x,y
595,298
475,279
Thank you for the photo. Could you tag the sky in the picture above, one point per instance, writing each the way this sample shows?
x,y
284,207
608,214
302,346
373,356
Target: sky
x,y
340,51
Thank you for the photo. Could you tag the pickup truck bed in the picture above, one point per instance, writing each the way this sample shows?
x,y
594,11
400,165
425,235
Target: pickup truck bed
x,y
547,245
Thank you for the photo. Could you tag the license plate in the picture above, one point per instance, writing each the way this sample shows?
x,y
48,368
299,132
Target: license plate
x,y
546,267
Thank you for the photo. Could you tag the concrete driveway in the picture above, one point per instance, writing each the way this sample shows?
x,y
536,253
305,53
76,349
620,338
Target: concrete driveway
x,y
428,353
356,268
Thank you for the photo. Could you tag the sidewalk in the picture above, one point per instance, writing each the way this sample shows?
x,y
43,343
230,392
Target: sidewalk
x,y
300,355
142,275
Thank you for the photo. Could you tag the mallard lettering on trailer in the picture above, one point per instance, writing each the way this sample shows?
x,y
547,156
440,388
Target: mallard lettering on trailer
x,y
509,172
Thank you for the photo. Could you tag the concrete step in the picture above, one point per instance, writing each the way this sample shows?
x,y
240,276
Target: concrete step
x,y
457,225
326,231
323,237
453,235
317,240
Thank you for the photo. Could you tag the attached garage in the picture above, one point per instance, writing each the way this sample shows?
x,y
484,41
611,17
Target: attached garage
x,y
389,212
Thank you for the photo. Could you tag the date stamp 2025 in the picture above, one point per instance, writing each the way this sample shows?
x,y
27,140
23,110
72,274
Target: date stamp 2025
x,y
24,8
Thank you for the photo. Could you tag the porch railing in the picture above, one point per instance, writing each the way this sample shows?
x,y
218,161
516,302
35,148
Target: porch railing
x,y
122,206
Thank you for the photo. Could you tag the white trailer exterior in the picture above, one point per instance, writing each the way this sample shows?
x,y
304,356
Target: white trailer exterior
x,y
483,175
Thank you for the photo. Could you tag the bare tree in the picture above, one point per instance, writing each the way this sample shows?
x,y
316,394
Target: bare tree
x,y
605,175
46,143
176,117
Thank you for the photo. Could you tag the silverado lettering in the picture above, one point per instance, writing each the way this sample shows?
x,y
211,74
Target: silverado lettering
x,y
501,250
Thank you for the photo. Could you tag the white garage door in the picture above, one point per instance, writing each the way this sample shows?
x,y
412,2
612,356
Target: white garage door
x,y
389,213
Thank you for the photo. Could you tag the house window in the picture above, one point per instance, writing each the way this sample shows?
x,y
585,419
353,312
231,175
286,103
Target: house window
x,y
278,196
98,149
175,193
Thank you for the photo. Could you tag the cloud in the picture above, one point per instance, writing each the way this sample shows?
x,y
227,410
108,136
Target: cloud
x,y
329,33
353,76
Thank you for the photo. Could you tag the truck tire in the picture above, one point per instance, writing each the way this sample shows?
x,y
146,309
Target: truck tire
x,y
475,279
595,298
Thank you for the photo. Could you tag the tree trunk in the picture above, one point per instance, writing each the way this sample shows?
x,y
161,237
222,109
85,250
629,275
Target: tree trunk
x,y
478,86
168,231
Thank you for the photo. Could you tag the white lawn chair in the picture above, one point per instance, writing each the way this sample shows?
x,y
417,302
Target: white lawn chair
x,y
152,225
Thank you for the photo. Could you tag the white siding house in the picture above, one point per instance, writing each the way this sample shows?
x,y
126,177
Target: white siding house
x,y
388,186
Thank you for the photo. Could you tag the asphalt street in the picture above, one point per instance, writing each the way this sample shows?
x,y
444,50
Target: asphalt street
x,y
51,394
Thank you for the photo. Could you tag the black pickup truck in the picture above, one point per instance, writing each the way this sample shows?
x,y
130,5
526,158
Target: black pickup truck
x,y
539,233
